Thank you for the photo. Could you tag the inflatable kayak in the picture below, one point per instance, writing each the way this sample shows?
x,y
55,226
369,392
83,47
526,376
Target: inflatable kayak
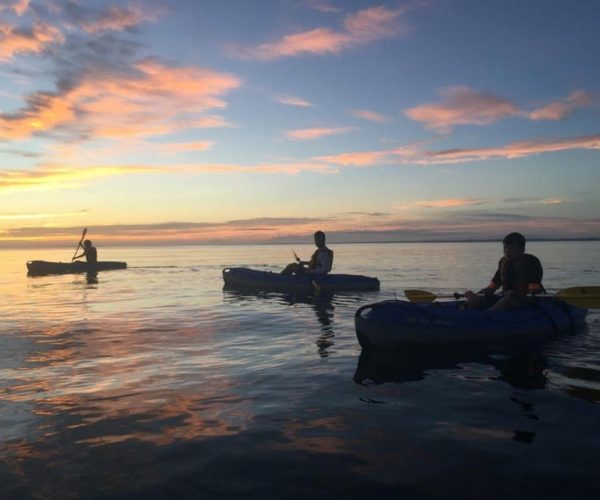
x,y
395,322
42,267
242,277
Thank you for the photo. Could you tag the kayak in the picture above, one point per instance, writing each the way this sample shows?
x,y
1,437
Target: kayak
x,y
397,322
42,267
242,277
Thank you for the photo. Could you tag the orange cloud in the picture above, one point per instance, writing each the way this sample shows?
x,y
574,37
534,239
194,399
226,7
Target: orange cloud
x,y
462,106
315,133
184,147
14,41
361,28
372,116
116,18
404,154
149,102
562,109
293,101
510,151
417,155
447,203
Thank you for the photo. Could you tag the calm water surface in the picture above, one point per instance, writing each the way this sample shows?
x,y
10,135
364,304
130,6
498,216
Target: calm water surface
x,y
154,382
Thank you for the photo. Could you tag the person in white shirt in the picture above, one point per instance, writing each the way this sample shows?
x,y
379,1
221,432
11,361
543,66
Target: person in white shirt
x,y
319,264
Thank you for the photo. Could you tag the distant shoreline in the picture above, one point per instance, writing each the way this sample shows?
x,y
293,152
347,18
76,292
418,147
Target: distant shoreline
x,y
287,243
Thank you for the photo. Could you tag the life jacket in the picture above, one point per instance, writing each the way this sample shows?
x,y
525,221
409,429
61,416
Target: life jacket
x,y
522,275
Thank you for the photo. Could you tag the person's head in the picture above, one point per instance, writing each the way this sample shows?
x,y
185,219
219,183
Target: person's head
x,y
514,245
87,243
320,239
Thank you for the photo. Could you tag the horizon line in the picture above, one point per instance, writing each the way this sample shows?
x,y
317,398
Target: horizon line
x,y
212,244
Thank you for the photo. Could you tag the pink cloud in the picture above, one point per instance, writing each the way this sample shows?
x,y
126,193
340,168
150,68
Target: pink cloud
x,y
183,147
372,116
315,133
462,106
416,154
446,203
149,102
510,151
562,109
293,101
361,28
14,41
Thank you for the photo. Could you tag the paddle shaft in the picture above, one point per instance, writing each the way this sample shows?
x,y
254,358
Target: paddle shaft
x,y
79,244
584,296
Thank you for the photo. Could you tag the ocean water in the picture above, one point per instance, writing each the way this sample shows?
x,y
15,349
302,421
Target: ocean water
x,y
154,382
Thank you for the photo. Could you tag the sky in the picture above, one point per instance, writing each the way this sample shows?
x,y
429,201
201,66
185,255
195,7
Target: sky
x,y
256,121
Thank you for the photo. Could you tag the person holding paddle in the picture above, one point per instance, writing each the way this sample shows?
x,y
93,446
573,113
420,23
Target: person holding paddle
x,y
319,264
518,274
89,252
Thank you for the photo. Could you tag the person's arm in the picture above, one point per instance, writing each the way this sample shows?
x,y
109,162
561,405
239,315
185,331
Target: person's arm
x,y
534,276
82,254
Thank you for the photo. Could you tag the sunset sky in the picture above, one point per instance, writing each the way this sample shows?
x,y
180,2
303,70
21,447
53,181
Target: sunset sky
x,y
264,120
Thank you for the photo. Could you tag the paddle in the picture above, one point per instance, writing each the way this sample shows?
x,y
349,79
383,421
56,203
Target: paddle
x,y
295,255
582,296
79,244
316,287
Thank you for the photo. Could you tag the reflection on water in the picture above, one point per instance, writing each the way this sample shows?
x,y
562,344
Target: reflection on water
x,y
157,383
321,303
522,365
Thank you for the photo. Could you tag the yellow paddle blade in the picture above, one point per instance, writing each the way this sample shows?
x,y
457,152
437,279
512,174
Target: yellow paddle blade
x,y
581,296
419,296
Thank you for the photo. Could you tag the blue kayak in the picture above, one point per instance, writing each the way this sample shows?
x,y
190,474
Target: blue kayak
x,y
395,322
242,277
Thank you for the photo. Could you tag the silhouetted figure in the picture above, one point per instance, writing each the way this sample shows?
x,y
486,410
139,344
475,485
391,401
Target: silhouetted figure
x,y
89,252
319,264
518,274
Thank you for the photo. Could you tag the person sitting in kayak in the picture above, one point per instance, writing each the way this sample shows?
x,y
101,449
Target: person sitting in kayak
x,y
89,252
319,264
518,274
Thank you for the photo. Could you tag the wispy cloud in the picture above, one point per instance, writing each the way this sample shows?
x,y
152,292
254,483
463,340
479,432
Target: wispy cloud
x,y
52,176
560,110
35,40
418,155
293,101
322,6
462,106
372,116
465,106
361,28
445,203
305,134
510,151
112,17
153,99
535,201
40,215
183,147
